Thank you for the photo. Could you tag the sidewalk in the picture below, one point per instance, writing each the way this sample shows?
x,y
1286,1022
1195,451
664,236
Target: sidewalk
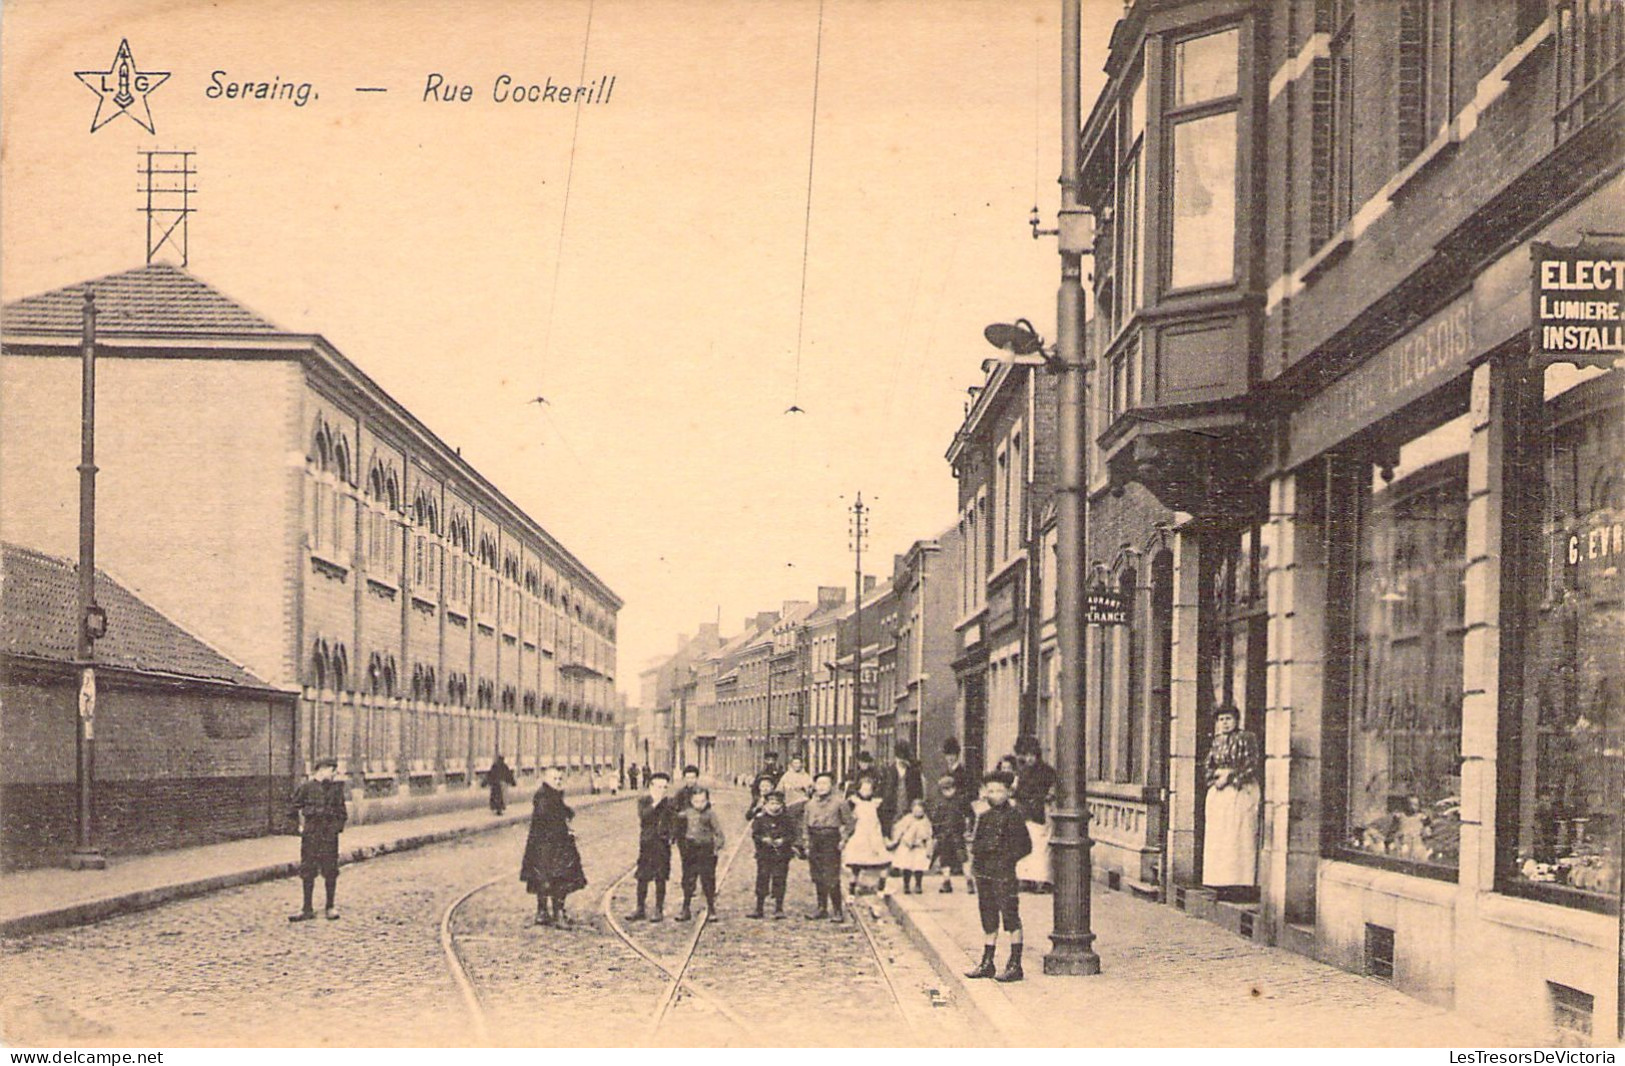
x,y
35,900
1168,980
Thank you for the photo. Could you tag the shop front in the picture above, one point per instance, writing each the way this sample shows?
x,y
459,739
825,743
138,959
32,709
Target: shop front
x,y
1445,680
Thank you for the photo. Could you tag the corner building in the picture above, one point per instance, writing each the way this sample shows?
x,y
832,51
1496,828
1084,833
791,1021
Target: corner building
x,y
1378,494
259,489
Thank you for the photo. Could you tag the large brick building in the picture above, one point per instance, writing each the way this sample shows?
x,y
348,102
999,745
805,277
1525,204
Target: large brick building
x,y
259,489
1356,487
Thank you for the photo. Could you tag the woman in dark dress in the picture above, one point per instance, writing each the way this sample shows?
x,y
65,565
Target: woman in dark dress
x,y
551,868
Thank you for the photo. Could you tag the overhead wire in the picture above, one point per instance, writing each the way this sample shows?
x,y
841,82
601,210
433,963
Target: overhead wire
x,y
806,225
569,180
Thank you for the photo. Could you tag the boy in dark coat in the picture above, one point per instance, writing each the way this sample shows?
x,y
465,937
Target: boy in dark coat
x,y
952,822
500,774
700,840
551,868
655,817
318,811
774,832
1001,841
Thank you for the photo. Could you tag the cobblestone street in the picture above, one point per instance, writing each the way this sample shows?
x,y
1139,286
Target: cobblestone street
x,y
228,969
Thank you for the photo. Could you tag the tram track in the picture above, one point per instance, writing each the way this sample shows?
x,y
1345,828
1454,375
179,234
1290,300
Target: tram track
x,y
679,992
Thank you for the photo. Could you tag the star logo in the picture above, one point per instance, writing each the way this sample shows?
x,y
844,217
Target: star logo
x,y
122,90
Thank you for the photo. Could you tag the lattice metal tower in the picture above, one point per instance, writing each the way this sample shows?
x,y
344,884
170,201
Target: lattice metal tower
x,y
168,185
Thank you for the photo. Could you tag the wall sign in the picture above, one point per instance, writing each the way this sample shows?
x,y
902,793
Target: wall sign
x,y
1579,312
1105,607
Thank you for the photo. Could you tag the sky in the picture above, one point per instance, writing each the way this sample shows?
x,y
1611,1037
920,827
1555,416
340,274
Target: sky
x,y
650,264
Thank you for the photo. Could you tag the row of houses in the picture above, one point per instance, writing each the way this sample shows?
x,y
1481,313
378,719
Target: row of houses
x,y
1356,465
362,591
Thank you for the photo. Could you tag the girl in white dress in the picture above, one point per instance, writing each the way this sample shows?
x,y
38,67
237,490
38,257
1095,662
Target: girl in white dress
x,y
866,853
914,841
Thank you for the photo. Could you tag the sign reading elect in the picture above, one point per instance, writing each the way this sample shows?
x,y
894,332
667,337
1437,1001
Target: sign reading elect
x,y
1579,304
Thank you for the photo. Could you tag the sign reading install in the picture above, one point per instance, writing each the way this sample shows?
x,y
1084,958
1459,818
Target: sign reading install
x,y
1579,314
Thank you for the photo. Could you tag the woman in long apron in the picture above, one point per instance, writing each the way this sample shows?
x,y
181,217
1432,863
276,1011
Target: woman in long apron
x,y
1230,845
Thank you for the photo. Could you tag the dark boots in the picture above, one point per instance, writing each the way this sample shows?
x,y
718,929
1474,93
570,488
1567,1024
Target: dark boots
x,y
985,969
1012,968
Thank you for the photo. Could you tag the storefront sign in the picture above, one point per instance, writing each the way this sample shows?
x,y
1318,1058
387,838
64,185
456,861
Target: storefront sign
x,y
869,697
1427,357
1105,607
1579,314
1600,542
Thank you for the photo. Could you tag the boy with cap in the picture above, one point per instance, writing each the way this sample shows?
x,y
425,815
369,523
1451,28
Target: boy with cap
x,y
1001,841
774,832
827,823
655,817
318,813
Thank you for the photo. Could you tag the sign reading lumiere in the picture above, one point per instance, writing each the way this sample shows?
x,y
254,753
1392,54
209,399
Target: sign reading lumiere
x,y
1579,296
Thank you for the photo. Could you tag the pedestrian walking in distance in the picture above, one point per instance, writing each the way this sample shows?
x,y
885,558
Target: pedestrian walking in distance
x,y
500,774
1001,841
912,842
551,868
655,824
952,824
319,814
773,832
826,825
700,840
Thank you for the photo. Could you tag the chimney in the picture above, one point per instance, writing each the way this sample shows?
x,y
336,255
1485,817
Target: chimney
x,y
765,619
869,583
831,596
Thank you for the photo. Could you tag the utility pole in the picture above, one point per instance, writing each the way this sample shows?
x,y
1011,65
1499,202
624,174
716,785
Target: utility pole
x,y
92,621
1072,950
860,529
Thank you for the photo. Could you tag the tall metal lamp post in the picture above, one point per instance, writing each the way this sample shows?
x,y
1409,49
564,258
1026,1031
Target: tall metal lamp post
x,y
92,619
1072,950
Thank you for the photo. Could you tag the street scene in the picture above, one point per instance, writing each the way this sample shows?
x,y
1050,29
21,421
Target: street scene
x,y
706,523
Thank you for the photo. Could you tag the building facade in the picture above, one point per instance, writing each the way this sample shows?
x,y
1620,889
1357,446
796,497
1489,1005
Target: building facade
x,y
321,536
1003,457
1356,470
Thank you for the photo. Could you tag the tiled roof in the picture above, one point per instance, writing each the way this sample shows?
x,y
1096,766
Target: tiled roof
x,y
154,299
37,612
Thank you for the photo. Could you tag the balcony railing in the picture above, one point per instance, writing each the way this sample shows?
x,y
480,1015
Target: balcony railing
x,y
1590,61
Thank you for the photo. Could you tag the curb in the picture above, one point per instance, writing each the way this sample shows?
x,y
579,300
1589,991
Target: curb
x,y
946,957
97,910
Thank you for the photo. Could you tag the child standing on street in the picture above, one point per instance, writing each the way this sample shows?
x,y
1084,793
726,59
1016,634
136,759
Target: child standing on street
x,y
953,823
700,840
763,788
773,831
655,816
912,839
1001,841
318,810
866,853
826,825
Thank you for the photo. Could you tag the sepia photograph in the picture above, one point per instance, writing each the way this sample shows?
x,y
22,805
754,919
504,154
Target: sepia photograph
x,y
812,524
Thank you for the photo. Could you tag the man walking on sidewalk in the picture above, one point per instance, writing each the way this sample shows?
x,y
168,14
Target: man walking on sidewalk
x,y
319,814
1000,842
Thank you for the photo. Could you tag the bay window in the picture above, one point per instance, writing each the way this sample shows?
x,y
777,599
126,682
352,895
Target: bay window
x,y
1201,116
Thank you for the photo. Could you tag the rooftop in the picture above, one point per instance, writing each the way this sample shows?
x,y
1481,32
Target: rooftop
x,y
38,618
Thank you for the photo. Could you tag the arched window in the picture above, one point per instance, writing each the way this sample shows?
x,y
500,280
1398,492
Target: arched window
x,y
319,668
339,668
426,547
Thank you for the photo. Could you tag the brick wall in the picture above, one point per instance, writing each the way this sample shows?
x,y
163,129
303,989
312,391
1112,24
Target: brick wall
x,y
174,768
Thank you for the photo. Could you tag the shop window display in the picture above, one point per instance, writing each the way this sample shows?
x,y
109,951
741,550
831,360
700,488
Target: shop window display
x,y
1570,734
1404,735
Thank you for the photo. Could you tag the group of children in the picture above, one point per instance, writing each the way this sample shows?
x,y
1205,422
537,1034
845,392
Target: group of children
x,y
829,830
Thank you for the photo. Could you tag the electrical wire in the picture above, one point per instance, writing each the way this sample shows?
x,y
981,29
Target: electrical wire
x,y
806,225
569,179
